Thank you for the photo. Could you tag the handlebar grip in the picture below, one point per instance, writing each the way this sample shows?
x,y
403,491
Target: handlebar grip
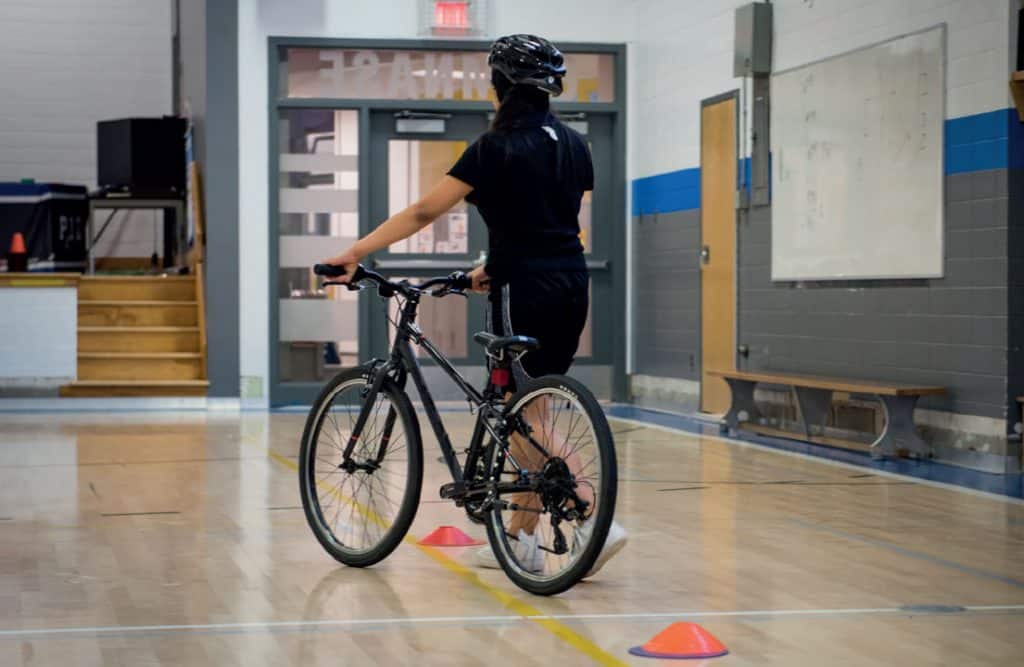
x,y
461,281
329,270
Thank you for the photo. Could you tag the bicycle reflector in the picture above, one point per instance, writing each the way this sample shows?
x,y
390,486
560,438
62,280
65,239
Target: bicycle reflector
x,y
500,377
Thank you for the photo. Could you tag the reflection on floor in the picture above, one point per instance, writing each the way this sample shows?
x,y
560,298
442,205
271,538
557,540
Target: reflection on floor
x,y
178,538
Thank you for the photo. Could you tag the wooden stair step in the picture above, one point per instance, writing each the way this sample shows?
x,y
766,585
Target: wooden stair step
x,y
145,366
138,339
122,388
135,288
105,312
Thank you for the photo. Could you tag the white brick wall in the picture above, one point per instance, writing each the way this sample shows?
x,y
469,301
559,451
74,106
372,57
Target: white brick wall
x,y
65,64
682,53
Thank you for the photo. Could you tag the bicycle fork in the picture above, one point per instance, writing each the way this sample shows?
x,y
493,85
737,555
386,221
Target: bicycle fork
x,y
369,399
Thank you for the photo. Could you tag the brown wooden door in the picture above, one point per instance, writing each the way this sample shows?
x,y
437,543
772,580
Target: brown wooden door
x,y
718,263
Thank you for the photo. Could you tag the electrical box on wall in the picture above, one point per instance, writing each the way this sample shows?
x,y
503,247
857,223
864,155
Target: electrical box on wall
x,y
753,45
453,18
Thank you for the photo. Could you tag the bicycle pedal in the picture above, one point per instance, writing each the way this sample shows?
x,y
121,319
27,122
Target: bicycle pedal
x,y
453,490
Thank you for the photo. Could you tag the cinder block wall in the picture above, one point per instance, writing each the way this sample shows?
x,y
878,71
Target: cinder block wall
x,y
962,331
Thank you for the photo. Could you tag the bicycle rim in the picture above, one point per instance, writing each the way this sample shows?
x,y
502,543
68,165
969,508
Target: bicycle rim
x,y
360,515
542,552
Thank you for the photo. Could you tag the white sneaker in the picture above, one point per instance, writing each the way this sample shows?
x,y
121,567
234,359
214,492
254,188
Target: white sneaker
x,y
617,538
526,549
528,555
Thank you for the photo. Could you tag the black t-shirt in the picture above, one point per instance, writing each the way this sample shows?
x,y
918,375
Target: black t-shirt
x,y
527,184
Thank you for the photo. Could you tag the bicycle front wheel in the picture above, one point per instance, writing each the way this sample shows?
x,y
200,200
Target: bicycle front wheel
x,y
547,538
360,508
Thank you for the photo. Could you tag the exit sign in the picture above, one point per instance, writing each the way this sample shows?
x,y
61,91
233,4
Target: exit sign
x,y
452,15
454,18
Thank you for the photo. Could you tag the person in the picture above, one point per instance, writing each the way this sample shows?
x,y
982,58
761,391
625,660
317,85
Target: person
x,y
526,175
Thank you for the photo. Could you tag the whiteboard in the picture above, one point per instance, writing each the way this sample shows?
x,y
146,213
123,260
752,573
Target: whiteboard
x,y
857,163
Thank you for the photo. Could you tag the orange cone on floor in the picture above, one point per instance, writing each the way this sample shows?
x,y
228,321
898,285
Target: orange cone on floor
x,y
17,257
449,536
18,244
679,641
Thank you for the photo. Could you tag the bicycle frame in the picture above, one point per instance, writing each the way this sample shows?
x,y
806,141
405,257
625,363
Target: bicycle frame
x,y
402,364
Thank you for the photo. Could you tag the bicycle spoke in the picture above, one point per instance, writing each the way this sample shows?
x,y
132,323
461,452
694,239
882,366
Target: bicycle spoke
x,y
565,430
349,502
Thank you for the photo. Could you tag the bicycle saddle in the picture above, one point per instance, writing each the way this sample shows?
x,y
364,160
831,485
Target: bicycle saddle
x,y
514,344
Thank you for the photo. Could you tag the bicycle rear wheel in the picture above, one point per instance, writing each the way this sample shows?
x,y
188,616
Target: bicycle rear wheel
x,y
360,510
547,539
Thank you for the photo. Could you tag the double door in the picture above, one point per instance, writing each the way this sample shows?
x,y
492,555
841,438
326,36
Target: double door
x,y
410,153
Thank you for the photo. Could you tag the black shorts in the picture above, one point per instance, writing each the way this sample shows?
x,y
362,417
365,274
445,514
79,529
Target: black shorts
x,y
550,306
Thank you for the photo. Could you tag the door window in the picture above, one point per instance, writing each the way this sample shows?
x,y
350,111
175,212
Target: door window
x,y
318,197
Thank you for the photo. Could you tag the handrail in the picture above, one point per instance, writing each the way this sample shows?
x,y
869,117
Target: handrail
x,y
197,259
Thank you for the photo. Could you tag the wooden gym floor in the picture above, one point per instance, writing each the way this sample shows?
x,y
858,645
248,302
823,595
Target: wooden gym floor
x,y
177,538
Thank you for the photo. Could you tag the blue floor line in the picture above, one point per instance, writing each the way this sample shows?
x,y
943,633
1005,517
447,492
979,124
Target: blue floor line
x,y
1010,485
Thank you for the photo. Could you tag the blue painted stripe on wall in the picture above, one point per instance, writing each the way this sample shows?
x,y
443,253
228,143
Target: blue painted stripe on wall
x,y
980,142
674,191
992,140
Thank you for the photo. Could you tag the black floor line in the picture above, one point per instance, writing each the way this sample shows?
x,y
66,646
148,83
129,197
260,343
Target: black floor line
x,y
686,488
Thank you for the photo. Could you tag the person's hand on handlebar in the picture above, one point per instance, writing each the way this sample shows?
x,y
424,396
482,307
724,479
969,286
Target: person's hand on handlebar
x,y
348,259
481,281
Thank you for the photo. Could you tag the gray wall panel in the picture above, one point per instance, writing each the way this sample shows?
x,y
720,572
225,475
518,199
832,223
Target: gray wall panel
x,y
951,331
221,189
667,297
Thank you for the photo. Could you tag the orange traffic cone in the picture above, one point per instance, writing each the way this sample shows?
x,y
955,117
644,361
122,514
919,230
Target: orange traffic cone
x,y
679,641
18,244
17,257
448,536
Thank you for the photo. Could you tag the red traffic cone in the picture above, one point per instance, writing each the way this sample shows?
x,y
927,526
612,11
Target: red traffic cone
x,y
17,257
448,536
679,641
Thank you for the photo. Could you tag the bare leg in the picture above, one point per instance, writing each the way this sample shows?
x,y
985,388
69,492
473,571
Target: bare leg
x,y
539,415
527,456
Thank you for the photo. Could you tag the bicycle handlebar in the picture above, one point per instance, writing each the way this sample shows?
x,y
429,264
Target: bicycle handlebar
x,y
455,283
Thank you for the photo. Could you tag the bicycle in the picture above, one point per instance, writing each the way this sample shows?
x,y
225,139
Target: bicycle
x,y
539,472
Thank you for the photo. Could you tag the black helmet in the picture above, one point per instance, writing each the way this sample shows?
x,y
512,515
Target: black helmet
x,y
529,60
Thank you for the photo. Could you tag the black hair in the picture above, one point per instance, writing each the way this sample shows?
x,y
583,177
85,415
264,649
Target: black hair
x,y
515,101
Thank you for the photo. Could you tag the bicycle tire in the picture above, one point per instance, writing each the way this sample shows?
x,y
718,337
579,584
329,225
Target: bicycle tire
x,y
571,390
391,535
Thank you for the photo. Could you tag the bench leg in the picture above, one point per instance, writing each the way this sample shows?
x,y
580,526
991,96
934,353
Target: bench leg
x,y
899,432
742,409
814,407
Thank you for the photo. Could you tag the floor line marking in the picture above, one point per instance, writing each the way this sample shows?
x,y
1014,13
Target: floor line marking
x,y
427,620
521,608
824,461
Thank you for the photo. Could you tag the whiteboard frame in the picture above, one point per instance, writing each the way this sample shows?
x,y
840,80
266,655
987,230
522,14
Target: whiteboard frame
x,y
943,29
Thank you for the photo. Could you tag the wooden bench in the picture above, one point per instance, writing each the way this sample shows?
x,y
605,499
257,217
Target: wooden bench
x,y
814,398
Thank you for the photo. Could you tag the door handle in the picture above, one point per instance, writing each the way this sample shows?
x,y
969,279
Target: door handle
x,y
705,254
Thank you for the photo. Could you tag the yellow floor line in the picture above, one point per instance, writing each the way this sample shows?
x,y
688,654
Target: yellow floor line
x,y
510,602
